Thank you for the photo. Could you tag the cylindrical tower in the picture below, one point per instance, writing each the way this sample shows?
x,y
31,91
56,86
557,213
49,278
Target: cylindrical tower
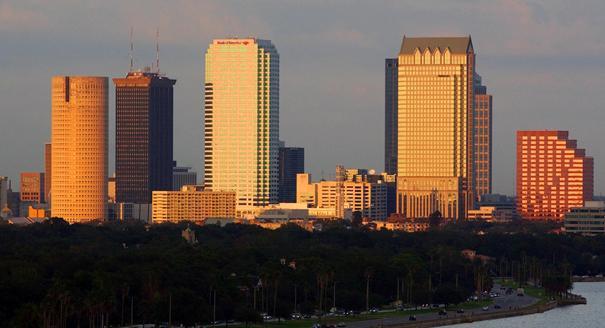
x,y
79,148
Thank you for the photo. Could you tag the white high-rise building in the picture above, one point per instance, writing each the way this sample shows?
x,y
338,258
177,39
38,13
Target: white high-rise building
x,y
241,120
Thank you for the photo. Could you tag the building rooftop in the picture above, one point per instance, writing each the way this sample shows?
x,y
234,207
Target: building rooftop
x,y
455,44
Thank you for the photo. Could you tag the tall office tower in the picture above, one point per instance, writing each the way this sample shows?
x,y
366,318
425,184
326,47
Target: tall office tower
x,y
241,120
435,127
47,171
182,176
79,148
32,187
482,139
553,175
144,136
390,116
291,163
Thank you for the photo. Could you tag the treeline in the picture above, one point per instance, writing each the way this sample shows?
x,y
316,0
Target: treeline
x,y
59,275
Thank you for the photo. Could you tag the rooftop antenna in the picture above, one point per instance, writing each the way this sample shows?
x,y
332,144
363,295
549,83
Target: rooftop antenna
x,y
131,51
157,50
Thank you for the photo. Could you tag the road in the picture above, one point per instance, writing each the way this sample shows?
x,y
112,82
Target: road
x,y
506,302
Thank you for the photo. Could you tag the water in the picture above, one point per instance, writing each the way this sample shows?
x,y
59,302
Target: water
x,y
585,316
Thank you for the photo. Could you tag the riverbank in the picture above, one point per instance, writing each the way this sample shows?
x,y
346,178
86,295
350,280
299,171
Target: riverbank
x,y
532,309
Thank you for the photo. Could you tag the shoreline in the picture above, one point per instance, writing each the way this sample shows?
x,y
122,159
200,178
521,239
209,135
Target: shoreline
x,y
532,309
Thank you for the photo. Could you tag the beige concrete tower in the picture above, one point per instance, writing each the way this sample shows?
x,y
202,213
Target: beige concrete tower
x,y
435,126
79,148
241,120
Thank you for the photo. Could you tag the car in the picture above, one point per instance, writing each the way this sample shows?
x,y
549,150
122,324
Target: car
x,y
341,324
442,312
497,306
412,318
485,308
373,310
460,311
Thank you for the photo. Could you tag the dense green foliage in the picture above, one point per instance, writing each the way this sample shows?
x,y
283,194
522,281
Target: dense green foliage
x,y
61,275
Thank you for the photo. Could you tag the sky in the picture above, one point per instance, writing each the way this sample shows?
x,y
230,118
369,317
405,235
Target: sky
x,y
543,61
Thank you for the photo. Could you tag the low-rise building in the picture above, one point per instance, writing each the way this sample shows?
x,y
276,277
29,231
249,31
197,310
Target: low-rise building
x,y
362,191
586,220
399,223
491,214
192,203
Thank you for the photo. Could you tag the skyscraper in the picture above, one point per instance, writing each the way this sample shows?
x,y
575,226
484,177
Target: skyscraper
x,y
79,148
241,120
291,162
390,116
553,175
435,126
482,139
144,136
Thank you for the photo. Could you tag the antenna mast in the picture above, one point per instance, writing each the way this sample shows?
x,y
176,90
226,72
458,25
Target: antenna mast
x,y
131,51
157,50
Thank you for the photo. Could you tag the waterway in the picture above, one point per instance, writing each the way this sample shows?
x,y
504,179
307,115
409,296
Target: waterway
x,y
586,316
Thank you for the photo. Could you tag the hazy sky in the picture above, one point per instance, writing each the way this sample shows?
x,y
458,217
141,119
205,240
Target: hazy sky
x,y
544,62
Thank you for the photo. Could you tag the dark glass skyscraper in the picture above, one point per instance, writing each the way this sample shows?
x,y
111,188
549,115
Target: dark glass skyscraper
x,y
144,136
482,139
390,116
291,162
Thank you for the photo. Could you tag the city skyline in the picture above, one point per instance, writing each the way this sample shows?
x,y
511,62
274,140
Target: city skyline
x,y
537,80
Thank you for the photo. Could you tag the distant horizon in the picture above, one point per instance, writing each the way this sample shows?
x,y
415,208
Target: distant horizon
x,y
332,73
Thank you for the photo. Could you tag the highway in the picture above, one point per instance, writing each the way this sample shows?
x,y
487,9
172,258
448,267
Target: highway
x,y
505,302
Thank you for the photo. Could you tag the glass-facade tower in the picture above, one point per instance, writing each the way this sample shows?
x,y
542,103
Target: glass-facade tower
x,y
241,120
144,136
435,127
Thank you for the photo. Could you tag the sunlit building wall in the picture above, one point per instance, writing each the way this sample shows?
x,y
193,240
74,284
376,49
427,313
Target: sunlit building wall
x,y
553,175
482,139
435,127
79,148
192,203
32,187
241,120
369,198
47,171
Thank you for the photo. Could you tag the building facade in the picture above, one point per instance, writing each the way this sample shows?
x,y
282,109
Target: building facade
x,y
241,120
32,187
79,148
390,115
482,139
553,175
587,220
291,163
144,136
435,127
4,209
47,171
192,203
182,176
359,194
